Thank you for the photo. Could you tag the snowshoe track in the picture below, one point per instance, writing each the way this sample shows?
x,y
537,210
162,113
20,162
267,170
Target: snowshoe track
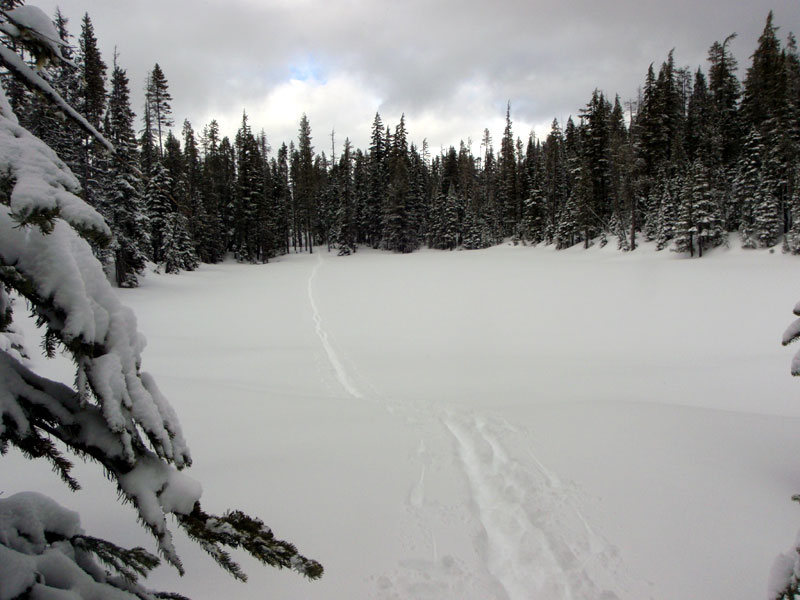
x,y
538,545
322,334
533,540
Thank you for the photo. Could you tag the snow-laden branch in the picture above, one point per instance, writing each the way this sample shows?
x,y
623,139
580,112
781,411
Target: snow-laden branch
x,y
116,414
34,82
31,26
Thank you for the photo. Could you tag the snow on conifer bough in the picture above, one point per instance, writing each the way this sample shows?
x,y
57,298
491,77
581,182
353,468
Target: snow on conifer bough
x,y
115,415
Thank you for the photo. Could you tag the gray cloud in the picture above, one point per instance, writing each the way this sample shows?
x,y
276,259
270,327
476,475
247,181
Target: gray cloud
x,y
431,59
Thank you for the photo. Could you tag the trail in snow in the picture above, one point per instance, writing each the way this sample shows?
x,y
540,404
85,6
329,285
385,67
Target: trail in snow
x,y
538,545
535,544
322,334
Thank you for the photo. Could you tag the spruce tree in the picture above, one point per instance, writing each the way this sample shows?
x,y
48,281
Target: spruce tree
x,y
159,109
596,156
177,247
793,235
508,189
192,183
250,194
699,136
282,197
746,186
450,227
159,205
127,216
763,94
669,190
769,201
346,228
91,104
555,180
226,182
699,225
304,187
397,235
46,121
724,90
372,224
92,70
149,151
621,170
114,414
210,234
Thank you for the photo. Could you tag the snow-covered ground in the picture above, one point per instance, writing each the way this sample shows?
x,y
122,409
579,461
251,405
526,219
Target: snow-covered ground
x,y
511,423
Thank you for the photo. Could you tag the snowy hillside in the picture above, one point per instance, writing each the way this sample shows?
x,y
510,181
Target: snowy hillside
x,y
510,423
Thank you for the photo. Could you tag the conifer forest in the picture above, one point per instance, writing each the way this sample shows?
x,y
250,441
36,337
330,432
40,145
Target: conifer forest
x,y
698,155
543,365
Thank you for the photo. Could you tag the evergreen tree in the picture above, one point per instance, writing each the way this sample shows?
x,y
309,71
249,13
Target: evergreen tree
x,y
346,228
177,247
210,233
699,136
747,185
172,160
770,199
699,225
621,185
793,235
160,206
724,90
192,184
250,193
282,197
596,156
45,120
555,180
646,126
764,84
92,75
449,220
568,229
149,152
127,218
371,225
533,206
114,414
399,234
91,104
159,109
508,193
304,187
669,190
226,184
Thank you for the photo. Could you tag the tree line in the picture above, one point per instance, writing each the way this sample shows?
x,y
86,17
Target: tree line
x,y
696,156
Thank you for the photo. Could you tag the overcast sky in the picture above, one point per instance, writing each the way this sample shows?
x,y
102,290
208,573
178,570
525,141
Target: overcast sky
x,y
449,65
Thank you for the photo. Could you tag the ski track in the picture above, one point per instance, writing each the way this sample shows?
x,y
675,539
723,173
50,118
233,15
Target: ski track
x,y
322,334
537,543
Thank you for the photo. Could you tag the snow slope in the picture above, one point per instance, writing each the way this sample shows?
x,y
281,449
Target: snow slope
x,y
511,423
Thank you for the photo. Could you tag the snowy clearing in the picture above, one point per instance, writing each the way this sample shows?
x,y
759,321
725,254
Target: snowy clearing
x,y
510,423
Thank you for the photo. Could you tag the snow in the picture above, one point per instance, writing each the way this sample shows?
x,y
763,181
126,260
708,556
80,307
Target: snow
x,y
31,79
177,492
29,559
114,405
499,424
32,22
781,572
42,182
62,271
26,516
